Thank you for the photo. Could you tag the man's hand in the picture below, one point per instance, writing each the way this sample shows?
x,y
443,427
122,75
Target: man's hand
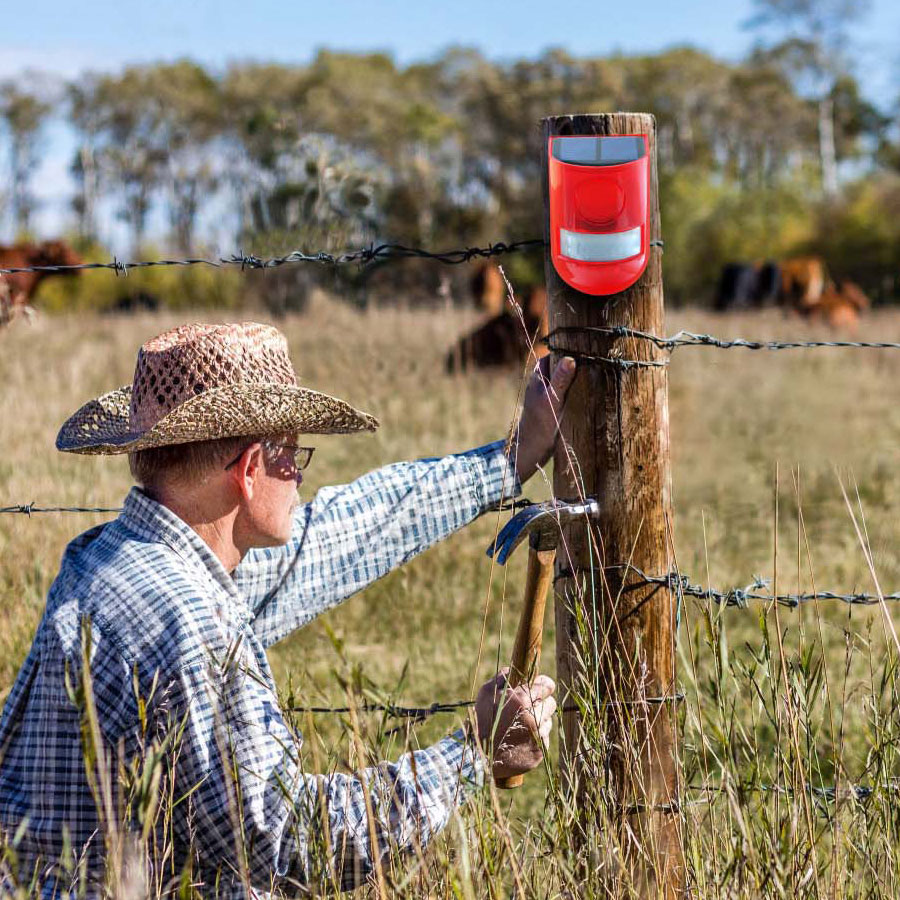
x,y
515,735
535,436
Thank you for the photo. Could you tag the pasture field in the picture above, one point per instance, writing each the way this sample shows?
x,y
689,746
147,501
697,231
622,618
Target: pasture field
x,y
780,705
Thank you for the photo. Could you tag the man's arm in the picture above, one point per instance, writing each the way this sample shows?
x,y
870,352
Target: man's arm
x,y
351,535
253,810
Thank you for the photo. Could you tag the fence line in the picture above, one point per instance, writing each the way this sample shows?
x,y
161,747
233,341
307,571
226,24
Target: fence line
x,y
824,793
372,253
691,339
28,509
738,597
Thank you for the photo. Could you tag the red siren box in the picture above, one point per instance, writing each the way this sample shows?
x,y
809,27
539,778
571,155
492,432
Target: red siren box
x,y
599,210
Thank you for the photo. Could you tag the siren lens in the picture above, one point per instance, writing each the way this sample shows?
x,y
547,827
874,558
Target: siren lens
x,y
611,247
598,151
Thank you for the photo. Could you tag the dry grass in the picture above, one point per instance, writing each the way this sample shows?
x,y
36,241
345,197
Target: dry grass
x,y
824,418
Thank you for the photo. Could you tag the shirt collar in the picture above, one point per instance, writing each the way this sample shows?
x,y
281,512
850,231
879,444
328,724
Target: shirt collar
x,y
152,521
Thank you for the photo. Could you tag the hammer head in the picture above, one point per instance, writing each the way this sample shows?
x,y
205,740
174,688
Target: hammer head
x,y
542,524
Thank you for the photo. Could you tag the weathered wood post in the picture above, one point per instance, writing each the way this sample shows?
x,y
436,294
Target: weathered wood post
x,y
615,636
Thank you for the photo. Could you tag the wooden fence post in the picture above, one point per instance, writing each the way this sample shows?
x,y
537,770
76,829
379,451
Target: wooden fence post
x,y
616,644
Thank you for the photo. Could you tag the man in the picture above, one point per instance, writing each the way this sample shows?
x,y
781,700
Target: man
x,y
148,677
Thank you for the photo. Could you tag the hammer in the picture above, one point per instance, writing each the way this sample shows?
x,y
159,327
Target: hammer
x,y
542,524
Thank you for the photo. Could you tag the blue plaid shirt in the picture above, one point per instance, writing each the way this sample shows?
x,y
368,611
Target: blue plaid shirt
x,y
178,668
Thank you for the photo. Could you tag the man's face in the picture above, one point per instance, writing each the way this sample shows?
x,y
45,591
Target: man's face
x,y
276,498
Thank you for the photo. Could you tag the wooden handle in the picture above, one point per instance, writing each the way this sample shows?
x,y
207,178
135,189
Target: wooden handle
x,y
527,648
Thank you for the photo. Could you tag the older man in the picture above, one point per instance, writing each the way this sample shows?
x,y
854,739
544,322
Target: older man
x,y
148,676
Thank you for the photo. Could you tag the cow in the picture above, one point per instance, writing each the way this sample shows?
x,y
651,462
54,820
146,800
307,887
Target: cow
x,y
803,281
488,288
745,286
506,339
140,301
800,284
839,306
21,286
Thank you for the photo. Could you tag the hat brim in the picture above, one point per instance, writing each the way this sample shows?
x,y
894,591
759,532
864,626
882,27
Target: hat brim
x,y
102,426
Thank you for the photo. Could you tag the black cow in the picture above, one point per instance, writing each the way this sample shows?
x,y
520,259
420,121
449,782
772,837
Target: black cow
x,y
743,286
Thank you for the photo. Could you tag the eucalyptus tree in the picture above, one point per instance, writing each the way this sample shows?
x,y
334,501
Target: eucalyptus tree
x,y
24,109
131,149
85,112
187,112
813,51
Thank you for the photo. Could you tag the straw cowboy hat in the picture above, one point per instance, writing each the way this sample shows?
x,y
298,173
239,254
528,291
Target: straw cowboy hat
x,y
201,382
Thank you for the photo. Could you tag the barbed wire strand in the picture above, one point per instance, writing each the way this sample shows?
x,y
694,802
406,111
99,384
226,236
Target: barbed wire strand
x,y
828,793
694,339
417,712
372,253
738,597
29,509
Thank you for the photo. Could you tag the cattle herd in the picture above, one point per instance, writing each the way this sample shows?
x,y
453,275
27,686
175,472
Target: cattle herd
x,y
511,332
801,284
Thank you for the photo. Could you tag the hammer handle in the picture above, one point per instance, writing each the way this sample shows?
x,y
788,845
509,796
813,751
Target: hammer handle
x,y
527,649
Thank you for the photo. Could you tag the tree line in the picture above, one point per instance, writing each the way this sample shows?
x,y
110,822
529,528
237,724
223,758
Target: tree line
x,y
351,148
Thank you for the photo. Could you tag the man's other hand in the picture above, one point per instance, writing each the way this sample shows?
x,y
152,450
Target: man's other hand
x,y
515,733
536,433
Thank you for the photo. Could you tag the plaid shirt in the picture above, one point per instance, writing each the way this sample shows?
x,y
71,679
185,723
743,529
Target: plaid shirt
x,y
173,638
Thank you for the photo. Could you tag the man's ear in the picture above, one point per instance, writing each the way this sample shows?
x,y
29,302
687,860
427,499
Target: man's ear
x,y
246,472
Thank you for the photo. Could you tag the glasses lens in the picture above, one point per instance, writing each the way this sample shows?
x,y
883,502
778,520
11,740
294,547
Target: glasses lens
x,y
302,456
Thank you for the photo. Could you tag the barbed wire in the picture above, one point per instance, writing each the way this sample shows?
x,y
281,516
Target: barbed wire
x,y
823,793
682,584
688,339
739,597
423,712
397,712
29,509
372,253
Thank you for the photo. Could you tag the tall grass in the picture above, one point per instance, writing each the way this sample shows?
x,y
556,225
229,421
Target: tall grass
x,y
784,465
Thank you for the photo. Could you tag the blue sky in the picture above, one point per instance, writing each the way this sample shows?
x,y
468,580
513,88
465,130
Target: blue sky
x,y
105,34
68,38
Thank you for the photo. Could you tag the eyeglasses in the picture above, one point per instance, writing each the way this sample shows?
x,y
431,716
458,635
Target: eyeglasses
x,y
302,455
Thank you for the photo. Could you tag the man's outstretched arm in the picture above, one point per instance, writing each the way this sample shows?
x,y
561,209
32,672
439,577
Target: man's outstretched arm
x,y
349,536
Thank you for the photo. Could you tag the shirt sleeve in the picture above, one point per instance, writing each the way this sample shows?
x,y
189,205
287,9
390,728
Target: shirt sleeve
x,y
254,813
351,535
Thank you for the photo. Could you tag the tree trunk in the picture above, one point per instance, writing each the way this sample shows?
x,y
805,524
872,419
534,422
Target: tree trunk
x,y
827,151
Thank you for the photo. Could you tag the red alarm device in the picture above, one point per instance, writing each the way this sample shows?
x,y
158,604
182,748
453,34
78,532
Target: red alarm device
x,y
599,210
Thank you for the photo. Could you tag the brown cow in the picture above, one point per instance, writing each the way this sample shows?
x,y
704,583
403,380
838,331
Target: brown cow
x,y
488,288
839,306
504,339
21,286
803,281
